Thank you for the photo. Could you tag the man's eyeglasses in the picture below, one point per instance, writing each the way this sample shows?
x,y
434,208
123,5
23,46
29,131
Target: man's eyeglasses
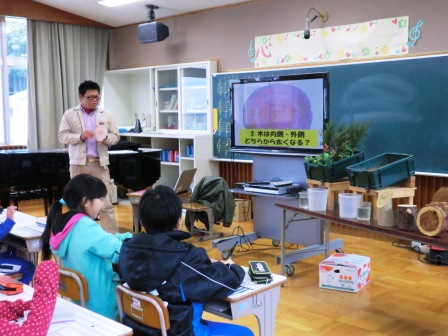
x,y
91,98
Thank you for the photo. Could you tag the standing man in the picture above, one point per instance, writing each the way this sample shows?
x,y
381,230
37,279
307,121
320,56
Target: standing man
x,y
89,130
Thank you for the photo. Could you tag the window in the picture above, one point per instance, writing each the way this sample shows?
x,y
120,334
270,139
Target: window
x,y
13,84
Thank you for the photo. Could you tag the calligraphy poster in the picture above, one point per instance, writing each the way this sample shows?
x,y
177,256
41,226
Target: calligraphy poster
x,y
376,38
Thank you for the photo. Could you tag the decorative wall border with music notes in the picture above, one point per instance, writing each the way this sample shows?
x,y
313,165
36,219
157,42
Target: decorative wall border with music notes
x,y
376,38
415,33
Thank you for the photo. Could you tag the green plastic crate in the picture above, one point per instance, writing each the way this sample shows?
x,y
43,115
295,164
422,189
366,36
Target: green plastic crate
x,y
333,172
381,171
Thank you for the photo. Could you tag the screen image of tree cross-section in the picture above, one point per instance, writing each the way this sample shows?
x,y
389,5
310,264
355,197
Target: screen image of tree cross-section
x,y
279,115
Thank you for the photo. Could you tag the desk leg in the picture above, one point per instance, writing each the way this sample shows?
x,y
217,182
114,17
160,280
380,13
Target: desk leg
x,y
33,257
266,315
327,236
135,221
263,305
282,242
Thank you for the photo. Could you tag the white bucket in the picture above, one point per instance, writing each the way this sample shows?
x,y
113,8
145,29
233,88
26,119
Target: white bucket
x,y
348,205
317,199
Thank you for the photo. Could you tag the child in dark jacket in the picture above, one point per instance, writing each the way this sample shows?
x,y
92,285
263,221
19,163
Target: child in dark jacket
x,y
182,275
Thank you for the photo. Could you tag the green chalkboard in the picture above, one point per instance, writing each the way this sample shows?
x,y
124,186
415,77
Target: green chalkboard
x,y
406,99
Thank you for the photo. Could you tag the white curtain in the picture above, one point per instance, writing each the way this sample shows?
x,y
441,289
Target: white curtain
x,y
60,57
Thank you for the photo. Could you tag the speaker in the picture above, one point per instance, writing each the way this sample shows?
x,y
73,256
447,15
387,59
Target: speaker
x,y
152,32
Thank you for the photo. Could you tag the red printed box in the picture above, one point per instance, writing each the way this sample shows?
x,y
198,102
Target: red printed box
x,y
344,272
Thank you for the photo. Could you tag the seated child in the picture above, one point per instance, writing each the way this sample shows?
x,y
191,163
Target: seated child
x,y
10,264
183,275
81,244
40,308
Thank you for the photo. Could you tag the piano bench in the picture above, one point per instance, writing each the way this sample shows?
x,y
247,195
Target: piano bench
x,y
17,195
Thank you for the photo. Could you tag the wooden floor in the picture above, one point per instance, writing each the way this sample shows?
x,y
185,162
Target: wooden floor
x,y
405,297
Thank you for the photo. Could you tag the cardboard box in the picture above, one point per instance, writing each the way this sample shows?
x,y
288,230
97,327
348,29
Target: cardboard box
x,y
345,272
242,210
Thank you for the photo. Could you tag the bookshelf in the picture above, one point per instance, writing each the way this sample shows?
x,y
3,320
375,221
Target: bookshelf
x,y
193,151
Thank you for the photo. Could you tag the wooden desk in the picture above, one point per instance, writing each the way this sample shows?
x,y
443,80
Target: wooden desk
x,y
25,235
330,216
257,299
72,320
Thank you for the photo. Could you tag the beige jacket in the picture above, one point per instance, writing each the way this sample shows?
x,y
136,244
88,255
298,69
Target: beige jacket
x,y
71,128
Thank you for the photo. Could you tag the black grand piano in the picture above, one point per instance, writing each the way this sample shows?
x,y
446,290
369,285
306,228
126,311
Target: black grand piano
x,y
48,170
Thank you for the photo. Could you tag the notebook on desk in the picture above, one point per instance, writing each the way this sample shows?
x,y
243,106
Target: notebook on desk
x,y
184,181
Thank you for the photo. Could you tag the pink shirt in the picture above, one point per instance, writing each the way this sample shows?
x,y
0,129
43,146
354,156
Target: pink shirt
x,y
90,124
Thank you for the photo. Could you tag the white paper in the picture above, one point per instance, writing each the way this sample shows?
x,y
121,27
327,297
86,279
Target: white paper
x,y
63,313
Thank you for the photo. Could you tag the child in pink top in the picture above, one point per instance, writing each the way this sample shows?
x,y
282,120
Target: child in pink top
x,y
40,308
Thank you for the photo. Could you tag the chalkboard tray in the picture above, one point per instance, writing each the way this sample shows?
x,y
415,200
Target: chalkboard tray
x,y
381,171
333,172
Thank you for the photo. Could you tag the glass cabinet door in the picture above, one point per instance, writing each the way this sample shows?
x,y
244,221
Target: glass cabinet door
x,y
167,99
194,98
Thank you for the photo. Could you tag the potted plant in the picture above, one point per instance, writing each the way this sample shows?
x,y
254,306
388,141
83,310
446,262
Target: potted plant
x,y
339,151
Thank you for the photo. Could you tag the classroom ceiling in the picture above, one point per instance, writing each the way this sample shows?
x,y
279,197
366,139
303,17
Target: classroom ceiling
x,y
135,12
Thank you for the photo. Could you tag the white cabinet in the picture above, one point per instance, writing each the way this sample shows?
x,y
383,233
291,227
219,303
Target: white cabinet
x,y
167,99
198,158
173,104
183,97
173,99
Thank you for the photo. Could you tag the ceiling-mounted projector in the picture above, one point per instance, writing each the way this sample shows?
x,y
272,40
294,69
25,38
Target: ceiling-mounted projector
x,y
152,31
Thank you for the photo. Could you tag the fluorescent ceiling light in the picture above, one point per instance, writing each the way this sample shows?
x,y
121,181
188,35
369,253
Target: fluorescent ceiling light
x,y
114,3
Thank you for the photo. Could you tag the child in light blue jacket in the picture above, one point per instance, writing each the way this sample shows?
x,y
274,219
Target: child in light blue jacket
x,y
82,245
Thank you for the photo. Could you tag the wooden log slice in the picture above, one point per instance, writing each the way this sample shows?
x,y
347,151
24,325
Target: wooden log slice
x,y
407,215
441,195
432,219
384,197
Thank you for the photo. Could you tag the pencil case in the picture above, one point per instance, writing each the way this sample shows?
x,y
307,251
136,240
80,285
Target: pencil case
x,y
10,286
259,272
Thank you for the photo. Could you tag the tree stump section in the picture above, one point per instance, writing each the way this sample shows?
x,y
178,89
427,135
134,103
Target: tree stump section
x,y
407,215
432,219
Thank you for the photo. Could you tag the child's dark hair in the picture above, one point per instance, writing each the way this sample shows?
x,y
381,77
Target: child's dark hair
x,y
88,85
77,192
160,209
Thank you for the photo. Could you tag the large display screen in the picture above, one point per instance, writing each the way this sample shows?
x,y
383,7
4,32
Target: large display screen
x,y
279,115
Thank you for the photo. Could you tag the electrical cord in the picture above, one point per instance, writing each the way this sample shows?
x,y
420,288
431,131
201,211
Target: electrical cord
x,y
246,245
402,244
243,242
437,260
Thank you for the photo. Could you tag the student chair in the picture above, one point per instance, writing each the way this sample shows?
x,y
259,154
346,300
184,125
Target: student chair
x,y
193,211
144,308
210,202
73,285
